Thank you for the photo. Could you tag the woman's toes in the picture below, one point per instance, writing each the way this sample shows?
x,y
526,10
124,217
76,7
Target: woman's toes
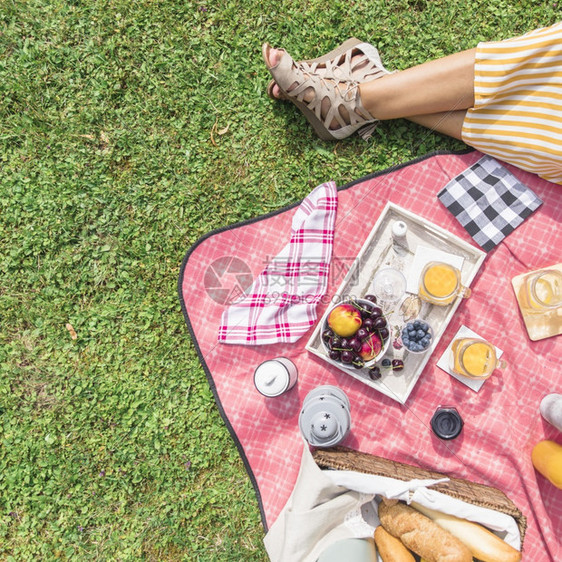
x,y
276,91
274,57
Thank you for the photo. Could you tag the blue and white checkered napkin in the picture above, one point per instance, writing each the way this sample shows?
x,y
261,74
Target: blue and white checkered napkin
x,y
489,201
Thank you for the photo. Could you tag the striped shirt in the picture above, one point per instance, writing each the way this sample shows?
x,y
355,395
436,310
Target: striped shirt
x,y
517,114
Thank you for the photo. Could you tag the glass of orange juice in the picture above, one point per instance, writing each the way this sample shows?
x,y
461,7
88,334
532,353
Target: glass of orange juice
x,y
475,358
541,291
440,283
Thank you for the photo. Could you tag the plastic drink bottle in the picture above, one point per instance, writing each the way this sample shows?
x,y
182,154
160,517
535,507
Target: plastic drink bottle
x,y
547,459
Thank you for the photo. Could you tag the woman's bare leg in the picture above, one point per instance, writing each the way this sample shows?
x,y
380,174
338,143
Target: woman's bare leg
x,y
447,123
435,94
436,86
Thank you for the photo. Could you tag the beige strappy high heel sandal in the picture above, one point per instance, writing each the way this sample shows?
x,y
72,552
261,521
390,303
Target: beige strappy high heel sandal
x,y
340,94
352,60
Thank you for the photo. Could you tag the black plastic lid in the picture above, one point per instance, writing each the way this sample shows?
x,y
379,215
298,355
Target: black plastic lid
x,y
446,423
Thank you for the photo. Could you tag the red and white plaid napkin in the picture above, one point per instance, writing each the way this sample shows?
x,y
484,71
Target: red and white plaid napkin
x,y
280,306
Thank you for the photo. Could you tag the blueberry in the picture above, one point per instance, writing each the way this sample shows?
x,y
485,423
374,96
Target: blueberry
x,y
425,341
409,326
420,334
386,362
405,340
424,326
416,324
412,334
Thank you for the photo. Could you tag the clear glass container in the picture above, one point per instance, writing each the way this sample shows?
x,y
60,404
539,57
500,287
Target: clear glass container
x,y
475,358
541,292
389,286
440,284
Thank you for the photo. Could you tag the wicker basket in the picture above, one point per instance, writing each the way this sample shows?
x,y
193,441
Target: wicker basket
x,y
342,458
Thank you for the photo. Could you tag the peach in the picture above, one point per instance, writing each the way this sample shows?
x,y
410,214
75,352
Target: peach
x,y
344,320
371,347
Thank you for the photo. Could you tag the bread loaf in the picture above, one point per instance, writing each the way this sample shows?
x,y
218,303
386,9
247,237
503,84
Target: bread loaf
x,y
483,544
390,548
421,535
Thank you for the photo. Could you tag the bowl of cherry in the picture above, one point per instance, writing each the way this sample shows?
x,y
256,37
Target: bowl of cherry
x,y
355,333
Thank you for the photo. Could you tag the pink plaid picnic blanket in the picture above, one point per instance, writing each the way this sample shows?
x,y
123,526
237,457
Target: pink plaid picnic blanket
x,y
502,420
281,304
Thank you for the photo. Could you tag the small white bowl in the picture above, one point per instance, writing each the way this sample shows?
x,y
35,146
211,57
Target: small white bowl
x,y
429,330
370,363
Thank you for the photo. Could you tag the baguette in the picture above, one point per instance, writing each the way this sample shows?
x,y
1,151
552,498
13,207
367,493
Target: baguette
x,y
390,548
483,544
421,535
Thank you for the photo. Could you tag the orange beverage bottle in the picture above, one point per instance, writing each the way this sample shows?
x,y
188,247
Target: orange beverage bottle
x,y
547,459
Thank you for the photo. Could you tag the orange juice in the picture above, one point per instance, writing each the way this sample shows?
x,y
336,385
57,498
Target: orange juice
x,y
440,280
475,358
440,283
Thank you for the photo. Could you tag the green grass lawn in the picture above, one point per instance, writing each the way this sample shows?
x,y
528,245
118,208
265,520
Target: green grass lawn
x,y
128,129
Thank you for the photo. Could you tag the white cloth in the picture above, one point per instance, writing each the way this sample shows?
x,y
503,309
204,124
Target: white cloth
x,y
331,505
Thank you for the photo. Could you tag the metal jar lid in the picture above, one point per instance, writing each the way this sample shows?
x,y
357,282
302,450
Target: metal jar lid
x,y
446,423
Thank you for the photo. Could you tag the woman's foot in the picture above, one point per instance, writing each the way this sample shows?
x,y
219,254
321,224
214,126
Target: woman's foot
x,y
331,104
352,60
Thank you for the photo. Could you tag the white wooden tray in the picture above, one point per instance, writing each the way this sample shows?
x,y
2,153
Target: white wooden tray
x,y
379,252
